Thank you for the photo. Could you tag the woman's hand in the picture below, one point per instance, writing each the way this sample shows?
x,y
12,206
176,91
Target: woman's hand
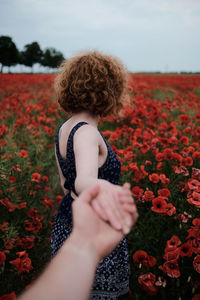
x,y
115,205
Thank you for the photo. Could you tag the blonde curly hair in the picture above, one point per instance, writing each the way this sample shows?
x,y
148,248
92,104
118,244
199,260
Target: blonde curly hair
x,y
91,82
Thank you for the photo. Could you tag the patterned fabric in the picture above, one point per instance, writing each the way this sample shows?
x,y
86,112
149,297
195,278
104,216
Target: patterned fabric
x,y
112,275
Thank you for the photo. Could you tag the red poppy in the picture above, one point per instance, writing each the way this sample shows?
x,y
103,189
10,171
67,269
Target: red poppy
x,y
194,185
4,226
186,249
196,263
48,203
164,179
22,263
154,178
171,255
184,119
196,155
35,225
171,268
170,209
184,140
133,166
21,205
195,199
23,153
59,198
165,193
181,170
137,192
27,242
196,297
45,178
159,166
148,195
168,153
147,282
11,296
140,257
159,205
196,173
12,179
36,177
11,207
159,156
184,217
173,243
2,257
177,157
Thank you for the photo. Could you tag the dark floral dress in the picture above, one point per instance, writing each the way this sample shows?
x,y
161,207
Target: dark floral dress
x,y
112,275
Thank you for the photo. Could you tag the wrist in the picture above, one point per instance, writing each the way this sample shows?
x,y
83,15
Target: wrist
x,y
81,248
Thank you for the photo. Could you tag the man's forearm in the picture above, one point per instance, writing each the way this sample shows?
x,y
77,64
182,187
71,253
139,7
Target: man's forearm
x,y
69,276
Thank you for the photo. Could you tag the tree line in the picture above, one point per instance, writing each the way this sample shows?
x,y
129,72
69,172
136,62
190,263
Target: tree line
x,y
30,55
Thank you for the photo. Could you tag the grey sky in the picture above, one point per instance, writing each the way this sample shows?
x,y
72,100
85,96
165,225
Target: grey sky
x,y
147,35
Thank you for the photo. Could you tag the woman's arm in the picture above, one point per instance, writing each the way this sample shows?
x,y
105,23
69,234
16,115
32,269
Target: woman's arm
x,y
70,274
86,150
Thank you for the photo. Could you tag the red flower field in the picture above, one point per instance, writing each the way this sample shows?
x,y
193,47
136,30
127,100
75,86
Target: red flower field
x,y
156,137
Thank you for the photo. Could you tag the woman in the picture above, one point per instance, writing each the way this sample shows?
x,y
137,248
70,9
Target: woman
x,y
90,86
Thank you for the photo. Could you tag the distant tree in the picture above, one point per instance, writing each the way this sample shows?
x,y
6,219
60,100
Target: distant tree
x,y
52,58
8,52
31,55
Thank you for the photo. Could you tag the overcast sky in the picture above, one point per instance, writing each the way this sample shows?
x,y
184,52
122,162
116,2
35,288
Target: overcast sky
x,y
147,35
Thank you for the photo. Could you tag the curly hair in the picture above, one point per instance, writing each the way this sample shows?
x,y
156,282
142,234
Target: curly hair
x,y
91,82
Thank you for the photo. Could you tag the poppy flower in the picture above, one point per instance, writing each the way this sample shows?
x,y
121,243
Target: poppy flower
x,y
154,178
195,199
171,254
171,268
137,191
2,257
27,242
148,195
23,153
196,297
194,185
159,205
164,179
22,263
159,166
170,209
140,257
173,243
159,156
11,296
147,282
184,140
196,263
12,179
168,153
165,193
11,207
186,249
196,173
21,205
184,217
36,177
34,225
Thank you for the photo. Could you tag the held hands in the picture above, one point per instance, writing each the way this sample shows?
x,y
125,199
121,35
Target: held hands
x,y
114,204
90,230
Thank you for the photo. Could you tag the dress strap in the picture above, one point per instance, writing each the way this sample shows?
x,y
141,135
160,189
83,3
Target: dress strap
x,y
70,142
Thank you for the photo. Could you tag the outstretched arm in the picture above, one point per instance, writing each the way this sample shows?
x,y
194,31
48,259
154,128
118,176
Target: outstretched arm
x,y
70,274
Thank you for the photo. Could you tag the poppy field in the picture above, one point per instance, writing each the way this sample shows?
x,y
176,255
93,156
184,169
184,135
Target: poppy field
x,y
157,139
